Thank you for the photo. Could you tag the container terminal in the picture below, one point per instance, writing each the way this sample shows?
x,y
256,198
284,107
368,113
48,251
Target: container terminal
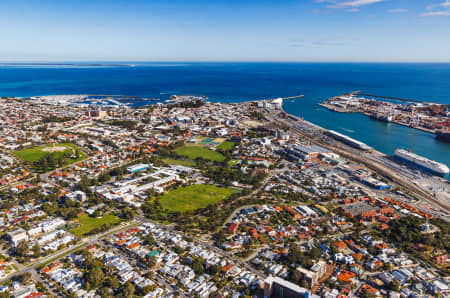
x,y
426,116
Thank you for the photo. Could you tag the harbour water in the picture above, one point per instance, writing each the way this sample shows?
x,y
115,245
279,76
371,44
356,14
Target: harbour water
x,y
234,82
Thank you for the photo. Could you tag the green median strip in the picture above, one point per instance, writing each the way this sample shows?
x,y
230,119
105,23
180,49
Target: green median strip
x,y
43,265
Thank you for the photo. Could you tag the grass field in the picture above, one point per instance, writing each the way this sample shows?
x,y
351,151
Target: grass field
x,y
233,162
87,223
196,196
186,163
193,152
36,153
226,146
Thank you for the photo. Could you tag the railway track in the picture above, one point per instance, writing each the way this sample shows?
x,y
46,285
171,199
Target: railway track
x,y
369,162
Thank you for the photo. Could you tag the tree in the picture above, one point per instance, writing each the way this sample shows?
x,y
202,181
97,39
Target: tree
x,y
394,286
221,238
114,282
127,213
84,183
128,289
294,254
197,265
105,292
150,261
44,164
214,269
149,239
104,177
87,285
22,249
25,278
315,253
96,277
36,250
52,161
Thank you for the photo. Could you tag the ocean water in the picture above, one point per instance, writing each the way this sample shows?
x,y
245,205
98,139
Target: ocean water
x,y
235,82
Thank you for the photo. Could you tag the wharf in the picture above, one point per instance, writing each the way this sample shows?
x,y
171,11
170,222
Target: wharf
x,y
416,127
332,107
338,109
404,124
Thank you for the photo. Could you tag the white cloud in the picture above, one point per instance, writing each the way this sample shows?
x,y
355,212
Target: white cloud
x,y
349,5
436,13
441,9
397,10
436,9
353,3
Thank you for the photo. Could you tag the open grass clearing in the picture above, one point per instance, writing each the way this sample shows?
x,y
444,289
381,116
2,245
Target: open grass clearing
x,y
36,153
181,162
195,151
227,145
88,223
197,196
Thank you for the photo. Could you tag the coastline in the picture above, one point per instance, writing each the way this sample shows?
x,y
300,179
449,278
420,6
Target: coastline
x,y
373,150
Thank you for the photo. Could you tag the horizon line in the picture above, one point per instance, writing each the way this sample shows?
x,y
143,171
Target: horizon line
x,y
61,62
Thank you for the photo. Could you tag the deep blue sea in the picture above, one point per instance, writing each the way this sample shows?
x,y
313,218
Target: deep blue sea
x,y
234,82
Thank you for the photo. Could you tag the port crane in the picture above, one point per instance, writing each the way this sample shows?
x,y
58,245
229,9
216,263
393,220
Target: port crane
x,y
414,120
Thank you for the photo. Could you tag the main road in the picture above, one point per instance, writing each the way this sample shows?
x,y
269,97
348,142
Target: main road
x,y
60,254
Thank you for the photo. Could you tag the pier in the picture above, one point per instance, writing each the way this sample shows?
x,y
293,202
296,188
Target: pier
x,y
293,97
290,97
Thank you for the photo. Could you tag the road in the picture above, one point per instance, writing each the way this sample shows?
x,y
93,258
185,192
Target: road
x,y
60,254
248,196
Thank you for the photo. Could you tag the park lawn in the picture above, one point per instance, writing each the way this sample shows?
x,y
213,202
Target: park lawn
x,y
227,145
88,223
195,151
233,162
196,196
186,163
36,153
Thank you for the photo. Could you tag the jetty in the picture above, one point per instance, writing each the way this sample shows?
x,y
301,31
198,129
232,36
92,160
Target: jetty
x,y
293,97
290,97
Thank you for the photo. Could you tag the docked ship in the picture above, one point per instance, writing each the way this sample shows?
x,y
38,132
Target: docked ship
x,y
347,140
422,162
443,136
381,117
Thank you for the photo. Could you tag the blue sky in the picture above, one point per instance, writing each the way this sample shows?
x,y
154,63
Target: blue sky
x,y
220,30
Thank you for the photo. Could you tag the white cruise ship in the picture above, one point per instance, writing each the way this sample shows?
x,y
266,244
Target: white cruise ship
x,y
430,165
